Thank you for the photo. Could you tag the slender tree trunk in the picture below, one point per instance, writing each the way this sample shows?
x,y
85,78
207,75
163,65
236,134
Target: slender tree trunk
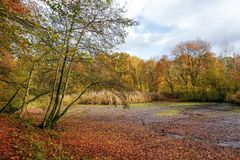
x,y
172,90
65,86
141,87
10,100
186,87
53,122
56,105
23,108
169,82
59,86
51,98
38,96
185,82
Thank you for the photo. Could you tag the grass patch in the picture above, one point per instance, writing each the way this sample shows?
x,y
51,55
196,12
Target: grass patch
x,y
235,109
143,105
167,104
76,112
167,113
78,106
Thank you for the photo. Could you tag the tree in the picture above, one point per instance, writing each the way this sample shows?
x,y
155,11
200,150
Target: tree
x,y
151,75
136,67
69,28
13,17
191,58
15,6
166,72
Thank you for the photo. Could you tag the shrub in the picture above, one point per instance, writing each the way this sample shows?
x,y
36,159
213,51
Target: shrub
x,y
234,98
202,96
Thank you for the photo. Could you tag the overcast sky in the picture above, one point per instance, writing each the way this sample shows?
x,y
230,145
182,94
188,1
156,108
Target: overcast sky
x,y
164,23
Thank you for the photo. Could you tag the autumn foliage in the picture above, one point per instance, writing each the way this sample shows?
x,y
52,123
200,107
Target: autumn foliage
x,y
59,54
14,6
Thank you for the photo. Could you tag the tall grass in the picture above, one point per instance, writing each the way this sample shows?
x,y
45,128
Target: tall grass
x,y
109,98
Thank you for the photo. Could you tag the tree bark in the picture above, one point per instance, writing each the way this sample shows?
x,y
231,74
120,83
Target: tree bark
x,y
22,108
51,98
65,85
57,97
56,118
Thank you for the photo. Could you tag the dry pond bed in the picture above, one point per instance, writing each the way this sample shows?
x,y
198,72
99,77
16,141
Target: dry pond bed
x,y
154,131
145,131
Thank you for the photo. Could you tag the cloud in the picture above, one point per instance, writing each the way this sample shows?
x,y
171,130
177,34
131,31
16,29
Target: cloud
x,y
164,23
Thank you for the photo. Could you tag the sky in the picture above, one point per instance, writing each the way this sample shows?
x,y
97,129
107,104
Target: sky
x,y
165,23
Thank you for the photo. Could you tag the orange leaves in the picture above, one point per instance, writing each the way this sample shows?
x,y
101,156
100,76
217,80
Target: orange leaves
x,y
193,48
100,140
14,6
100,135
6,129
20,140
6,60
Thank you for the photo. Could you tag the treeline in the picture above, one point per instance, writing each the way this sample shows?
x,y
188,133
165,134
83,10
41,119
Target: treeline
x,y
195,75
192,72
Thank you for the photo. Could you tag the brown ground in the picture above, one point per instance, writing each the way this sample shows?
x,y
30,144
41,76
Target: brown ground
x,y
113,133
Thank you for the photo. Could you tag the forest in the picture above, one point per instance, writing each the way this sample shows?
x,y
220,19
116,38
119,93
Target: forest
x,y
55,55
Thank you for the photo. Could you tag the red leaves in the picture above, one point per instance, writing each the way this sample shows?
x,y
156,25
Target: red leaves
x,y
6,139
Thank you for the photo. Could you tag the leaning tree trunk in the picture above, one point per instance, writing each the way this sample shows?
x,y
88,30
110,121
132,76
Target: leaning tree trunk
x,y
56,118
52,118
10,100
23,108
65,86
58,92
51,98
